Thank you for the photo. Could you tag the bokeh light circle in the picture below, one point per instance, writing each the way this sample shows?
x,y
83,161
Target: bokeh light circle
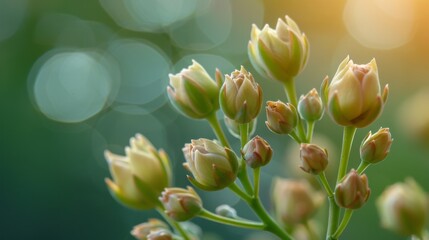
x,y
12,14
72,86
144,70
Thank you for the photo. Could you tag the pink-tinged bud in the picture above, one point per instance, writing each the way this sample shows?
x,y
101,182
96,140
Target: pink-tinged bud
x,y
257,152
193,92
142,230
282,117
353,191
181,204
353,97
403,208
240,96
213,166
279,53
310,106
140,176
234,127
375,147
314,159
161,234
294,201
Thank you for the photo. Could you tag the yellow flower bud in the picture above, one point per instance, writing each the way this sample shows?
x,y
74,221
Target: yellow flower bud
x,y
282,117
403,208
142,230
213,167
193,92
353,97
241,96
140,176
279,53
181,204
353,191
375,147
295,201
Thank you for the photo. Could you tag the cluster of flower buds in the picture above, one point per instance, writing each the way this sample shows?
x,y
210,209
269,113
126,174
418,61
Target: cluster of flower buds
x,y
214,167
257,152
144,230
181,204
403,208
353,191
353,97
279,53
295,201
140,176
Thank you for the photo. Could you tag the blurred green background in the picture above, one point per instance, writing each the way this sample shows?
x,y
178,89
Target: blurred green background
x,y
78,77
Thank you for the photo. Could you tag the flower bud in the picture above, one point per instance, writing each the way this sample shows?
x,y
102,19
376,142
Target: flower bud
x,y
279,53
257,152
240,96
375,147
314,159
140,176
295,201
403,208
161,234
142,230
226,211
353,191
234,127
353,97
181,204
282,117
193,92
214,167
310,106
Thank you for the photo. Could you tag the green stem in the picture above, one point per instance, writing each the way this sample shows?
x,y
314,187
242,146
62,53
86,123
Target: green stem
x,y
214,124
325,184
242,175
256,180
289,86
231,221
362,166
174,224
346,218
237,190
334,214
348,135
310,130
295,137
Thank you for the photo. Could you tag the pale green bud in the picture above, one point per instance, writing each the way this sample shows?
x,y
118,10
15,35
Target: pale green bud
x,y
234,127
403,208
375,147
226,211
295,202
257,152
213,166
140,176
353,97
353,191
240,96
282,117
161,234
142,230
314,159
310,106
181,204
193,92
279,53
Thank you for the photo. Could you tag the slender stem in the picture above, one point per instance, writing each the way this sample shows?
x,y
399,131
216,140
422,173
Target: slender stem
x,y
334,214
214,124
237,190
325,184
346,218
242,175
295,137
348,135
256,180
174,224
231,221
289,86
310,129
362,166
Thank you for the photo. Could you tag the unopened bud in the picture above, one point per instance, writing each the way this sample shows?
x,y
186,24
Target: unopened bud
x,y
314,159
226,211
353,191
234,127
310,106
142,230
375,147
257,152
181,204
161,234
281,117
